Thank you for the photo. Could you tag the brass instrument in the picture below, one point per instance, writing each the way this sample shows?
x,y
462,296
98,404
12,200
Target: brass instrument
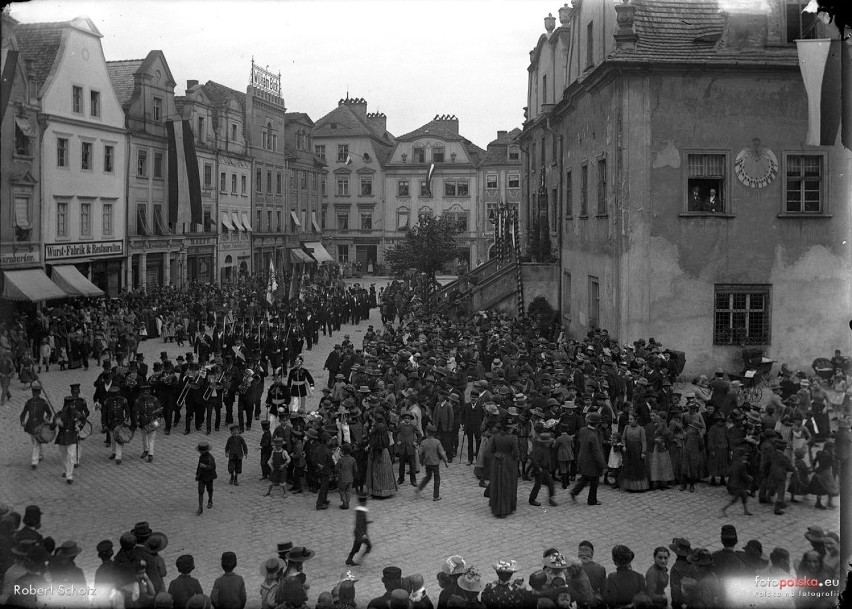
x,y
248,376
189,384
215,383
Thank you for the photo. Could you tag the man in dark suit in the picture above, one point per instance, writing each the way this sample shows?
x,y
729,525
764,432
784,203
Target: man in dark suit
x,y
443,420
406,438
590,459
472,416
332,364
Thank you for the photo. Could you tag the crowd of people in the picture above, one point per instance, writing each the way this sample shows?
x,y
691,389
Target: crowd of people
x,y
513,400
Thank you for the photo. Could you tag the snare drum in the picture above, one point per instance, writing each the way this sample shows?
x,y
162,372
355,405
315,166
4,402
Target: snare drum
x,y
152,426
84,430
44,434
123,434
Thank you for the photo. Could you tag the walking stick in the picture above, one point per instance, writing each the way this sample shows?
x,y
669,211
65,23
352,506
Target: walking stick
x,y
461,446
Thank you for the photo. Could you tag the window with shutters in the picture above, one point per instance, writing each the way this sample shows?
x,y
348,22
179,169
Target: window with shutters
x,y
804,184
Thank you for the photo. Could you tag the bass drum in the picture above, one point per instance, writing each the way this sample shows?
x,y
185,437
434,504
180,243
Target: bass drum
x,y
84,431
123,434
44,434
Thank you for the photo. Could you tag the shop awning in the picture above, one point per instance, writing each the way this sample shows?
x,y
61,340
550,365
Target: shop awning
x,y
30,285
298,256
235,218
226,221
319,252
246,223
71,280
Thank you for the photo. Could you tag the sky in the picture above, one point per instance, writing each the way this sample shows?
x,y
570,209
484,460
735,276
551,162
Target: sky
x,y
410,59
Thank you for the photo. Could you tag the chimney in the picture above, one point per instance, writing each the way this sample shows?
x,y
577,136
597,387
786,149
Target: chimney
x,y
378,120
358,105
549,23
190,84
502,134
449,122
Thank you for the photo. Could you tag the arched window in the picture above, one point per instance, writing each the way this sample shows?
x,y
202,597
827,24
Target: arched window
x,y
229,260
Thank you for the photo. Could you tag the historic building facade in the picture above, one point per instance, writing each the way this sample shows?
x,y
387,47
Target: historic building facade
x,y
685,212
499,184
20,180
83,151
434,170
355,145
145,90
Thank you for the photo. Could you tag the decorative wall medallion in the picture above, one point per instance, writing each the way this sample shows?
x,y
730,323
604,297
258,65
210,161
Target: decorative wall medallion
x,y
756,166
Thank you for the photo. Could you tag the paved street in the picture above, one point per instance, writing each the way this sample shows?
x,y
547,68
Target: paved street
x,y
414,533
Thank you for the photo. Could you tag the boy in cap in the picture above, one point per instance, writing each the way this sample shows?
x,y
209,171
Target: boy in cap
x,y
106,575
278,468
431,455
205,474
361,536
236,448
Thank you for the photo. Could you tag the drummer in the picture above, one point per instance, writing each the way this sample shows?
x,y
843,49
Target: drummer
x,y
37,413
117,414
82,412
147,409
67,438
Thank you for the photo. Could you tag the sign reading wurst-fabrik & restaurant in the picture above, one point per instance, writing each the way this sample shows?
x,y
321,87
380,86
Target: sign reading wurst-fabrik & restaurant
x,y
84,249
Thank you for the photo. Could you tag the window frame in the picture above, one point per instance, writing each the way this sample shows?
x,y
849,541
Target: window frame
x,y
343,225
319,150
207,172
590,44
823,181
746,290
244,185
400,213
425,192
95,109
342,189
62,219
594,302
584,189
63,152
439,154
269,181
399,188
602,188
107,212
723,191
233,183
569,195
449,188
342,152
258,179
802,33
368,182
76,100
85,218
223,181
418,154
279,183
159,158
157,108
366,217
141,162
513,177
492,181
87,156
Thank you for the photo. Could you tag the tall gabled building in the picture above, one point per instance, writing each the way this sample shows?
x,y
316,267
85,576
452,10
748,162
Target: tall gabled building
x,y
20,180
453,188
83,153
145,89
355,145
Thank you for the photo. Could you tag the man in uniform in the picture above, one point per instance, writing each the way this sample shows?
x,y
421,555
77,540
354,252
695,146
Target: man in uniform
x,y
83,410
102,384
277,396
67,421
36,412
147,409
118,411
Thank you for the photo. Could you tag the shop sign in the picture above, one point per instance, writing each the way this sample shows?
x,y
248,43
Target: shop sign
x,y
61,251
19,257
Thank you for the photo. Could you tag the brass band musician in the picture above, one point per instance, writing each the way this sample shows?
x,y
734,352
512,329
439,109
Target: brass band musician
x,y
148,410
36,412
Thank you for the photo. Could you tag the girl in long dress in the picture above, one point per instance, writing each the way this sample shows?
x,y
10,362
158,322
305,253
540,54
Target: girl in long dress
x,y
503,490
381,481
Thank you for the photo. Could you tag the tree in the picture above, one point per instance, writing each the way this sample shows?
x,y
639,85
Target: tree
x,y
541,313
427,246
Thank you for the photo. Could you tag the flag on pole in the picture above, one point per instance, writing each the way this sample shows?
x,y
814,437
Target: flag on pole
x,y
184,182
429,175
272,285
819,62
348,159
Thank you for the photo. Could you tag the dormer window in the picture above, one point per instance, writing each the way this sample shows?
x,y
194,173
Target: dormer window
x,y
158,109
23,144
438,155
514,153
419,155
